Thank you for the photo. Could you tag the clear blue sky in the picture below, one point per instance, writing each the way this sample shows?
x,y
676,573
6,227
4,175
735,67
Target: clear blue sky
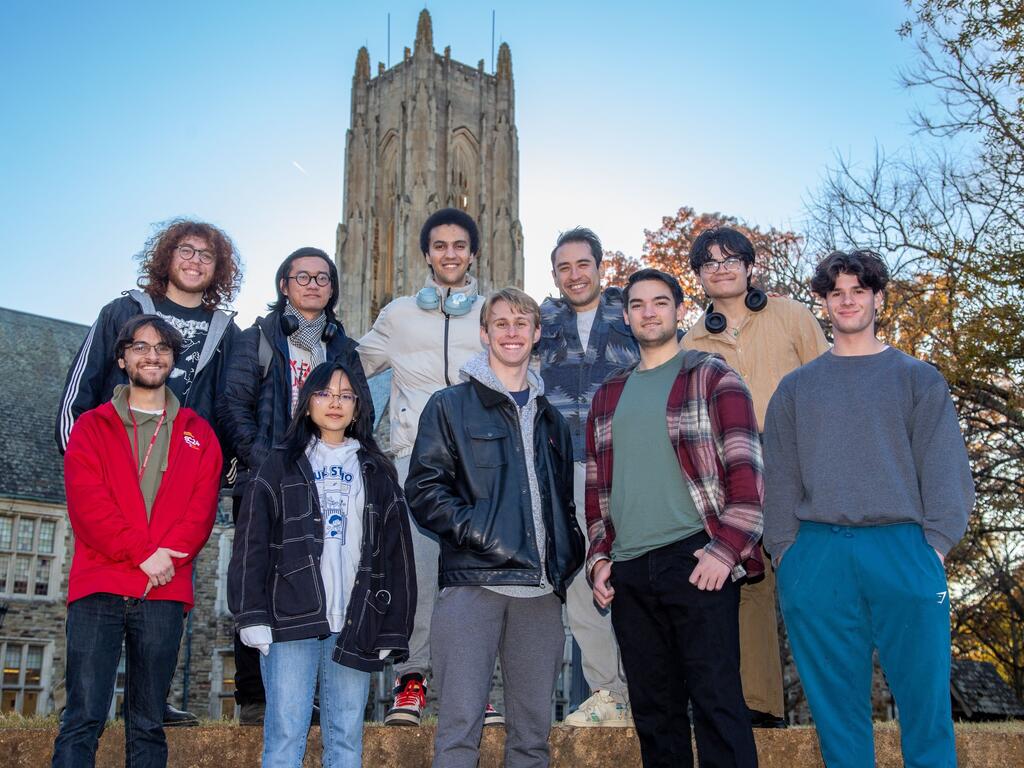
x,y
117,115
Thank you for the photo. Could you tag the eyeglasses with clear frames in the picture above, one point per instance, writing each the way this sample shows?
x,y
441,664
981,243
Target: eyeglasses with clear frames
x,y
187,252
731,264
345,398
142,348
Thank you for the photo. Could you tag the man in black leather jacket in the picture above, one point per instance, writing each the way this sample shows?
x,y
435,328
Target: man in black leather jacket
x,y
491,474
267,366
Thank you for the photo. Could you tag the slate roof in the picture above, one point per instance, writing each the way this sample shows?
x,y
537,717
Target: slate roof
x,y
35,354
979,693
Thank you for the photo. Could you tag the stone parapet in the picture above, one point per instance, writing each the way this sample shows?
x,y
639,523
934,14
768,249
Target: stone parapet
x,y
219,746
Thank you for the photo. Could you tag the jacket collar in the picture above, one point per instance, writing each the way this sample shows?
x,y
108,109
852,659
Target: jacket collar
x,y
492,399
120,402
478,368
219,322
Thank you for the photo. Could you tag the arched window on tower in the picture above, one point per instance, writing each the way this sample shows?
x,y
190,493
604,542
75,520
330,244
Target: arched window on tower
x,y
463,189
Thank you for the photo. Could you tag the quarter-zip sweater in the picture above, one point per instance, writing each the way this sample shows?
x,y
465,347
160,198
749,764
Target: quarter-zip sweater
x,y
113,535
425,348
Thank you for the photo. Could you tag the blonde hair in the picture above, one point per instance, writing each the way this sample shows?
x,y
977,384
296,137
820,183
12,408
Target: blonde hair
x,y
520,301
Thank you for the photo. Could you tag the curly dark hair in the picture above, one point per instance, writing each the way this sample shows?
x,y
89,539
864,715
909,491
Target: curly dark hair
x,y
450,216
867,266
155,261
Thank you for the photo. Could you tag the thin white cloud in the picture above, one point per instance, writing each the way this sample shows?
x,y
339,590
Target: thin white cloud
x,y
301,169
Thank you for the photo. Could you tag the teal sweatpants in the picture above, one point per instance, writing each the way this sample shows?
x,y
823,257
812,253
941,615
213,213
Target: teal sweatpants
x,y
847,590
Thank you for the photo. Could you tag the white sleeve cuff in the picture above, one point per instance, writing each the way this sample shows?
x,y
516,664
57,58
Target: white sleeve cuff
x,y
257,636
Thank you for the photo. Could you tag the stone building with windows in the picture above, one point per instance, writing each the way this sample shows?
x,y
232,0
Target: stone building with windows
x,y
428,133
35,538
36,542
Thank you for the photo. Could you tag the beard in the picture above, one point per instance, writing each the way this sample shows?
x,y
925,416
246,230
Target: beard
x,y
175,279
657,341
148,380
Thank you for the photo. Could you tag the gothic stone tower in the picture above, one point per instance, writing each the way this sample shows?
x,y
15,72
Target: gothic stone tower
x,y
428,133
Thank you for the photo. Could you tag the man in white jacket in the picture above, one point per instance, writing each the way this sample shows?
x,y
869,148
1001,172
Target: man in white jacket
x,y
425,339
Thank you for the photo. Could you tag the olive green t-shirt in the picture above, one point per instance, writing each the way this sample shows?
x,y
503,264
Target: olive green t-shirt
x,y
146,423
650,503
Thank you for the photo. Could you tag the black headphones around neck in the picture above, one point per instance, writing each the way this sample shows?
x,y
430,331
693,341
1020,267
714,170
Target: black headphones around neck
x,y
290,325
755,301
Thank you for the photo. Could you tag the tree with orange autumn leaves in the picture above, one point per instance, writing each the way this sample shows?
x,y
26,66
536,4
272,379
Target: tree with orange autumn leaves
x,y
781,261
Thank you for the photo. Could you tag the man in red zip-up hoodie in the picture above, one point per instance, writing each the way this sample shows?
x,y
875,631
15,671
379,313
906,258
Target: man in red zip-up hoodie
x,y
142,475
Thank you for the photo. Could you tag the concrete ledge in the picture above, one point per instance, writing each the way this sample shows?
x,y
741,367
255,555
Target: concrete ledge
x,y
221,746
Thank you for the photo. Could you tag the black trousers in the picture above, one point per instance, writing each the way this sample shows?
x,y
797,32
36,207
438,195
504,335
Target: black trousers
x,y
681,644
248,680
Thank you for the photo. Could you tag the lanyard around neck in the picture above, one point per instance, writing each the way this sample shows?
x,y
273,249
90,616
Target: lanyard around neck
x,y
152,440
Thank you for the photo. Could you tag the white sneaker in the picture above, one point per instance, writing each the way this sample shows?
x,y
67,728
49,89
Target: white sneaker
x,y
601,710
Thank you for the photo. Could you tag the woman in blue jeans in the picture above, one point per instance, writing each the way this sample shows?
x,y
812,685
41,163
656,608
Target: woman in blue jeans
x,y
322,577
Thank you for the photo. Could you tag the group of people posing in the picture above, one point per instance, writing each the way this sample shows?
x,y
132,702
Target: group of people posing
x,y
583,452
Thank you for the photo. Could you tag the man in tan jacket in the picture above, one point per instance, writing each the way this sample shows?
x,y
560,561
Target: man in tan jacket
x,y
762,338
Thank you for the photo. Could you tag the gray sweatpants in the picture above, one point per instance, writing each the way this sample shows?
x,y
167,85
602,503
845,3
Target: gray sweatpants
x,y
471,626
425,550
602,665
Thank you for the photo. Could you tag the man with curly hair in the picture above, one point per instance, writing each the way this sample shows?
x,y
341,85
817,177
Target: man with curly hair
x,y
188,271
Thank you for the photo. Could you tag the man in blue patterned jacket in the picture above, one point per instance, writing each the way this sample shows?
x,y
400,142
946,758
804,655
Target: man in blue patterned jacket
x,y
584,340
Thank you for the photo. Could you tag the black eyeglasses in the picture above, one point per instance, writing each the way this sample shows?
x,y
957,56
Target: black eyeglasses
x,y
304,278
142,348
731,264
187,252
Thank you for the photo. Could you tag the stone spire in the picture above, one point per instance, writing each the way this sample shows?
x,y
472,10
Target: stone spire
x,y
362,65
504,62
424,33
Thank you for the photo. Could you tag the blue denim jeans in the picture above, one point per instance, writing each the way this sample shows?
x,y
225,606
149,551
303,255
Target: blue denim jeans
x,y
96,627
290,674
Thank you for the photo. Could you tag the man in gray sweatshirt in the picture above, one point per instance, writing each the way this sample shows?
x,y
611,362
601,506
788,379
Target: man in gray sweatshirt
x,y
867,487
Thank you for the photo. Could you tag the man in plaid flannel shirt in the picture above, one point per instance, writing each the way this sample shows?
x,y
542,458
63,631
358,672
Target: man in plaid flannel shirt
x,y
674,526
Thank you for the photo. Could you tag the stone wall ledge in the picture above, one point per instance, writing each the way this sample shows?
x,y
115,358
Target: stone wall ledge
x,y
999,745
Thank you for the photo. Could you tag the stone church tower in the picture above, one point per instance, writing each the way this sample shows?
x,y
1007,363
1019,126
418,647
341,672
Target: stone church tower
x,y
428,133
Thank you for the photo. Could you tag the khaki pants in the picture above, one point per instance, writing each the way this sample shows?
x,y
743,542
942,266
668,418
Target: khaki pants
x,y
760,658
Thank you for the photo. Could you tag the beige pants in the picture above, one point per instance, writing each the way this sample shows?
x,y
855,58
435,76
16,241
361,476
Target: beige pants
x,y
760,659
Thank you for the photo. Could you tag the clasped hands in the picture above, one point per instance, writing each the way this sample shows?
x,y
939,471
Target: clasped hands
x,y
159,567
